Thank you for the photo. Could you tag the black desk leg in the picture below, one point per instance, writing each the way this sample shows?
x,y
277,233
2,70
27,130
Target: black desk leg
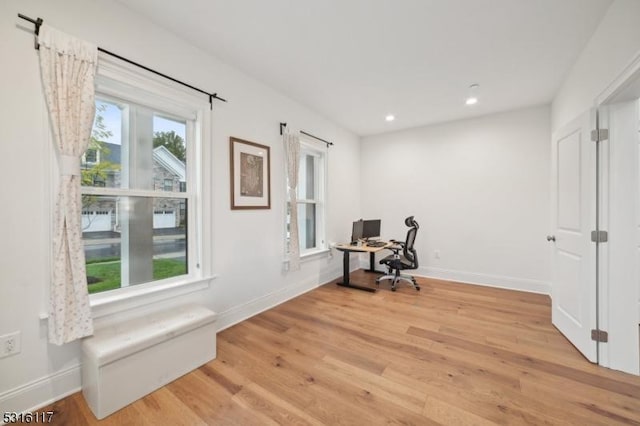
x,y
345,268
372,264
345,275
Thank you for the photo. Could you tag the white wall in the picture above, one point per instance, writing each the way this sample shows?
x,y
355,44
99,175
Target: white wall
x,y
247,245
611,48
478,188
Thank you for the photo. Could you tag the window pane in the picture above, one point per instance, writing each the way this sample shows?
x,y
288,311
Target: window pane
x,y
307,225
133,240
101,163
307,177
153,158
91,155
169,154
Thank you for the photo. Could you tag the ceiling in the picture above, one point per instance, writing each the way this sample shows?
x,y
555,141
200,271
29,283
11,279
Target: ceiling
x,y
355,61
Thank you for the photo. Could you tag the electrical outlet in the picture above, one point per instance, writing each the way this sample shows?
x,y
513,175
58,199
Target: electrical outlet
x,y
9,344
436,254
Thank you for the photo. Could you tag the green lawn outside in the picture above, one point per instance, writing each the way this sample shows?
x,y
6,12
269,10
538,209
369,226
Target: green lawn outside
x,y
109,273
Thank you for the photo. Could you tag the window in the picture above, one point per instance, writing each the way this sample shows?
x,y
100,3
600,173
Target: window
x,y
91,156
311,200
138,227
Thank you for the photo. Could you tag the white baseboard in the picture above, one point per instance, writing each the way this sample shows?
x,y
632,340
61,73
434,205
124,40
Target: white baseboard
x,y
498,281
242,312
487,280
41,392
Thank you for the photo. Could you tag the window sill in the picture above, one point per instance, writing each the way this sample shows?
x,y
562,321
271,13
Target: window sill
x,y
312,255
108,303
103,304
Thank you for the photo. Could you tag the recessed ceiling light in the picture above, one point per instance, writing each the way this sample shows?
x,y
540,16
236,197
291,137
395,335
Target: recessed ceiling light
x,y
472,97
390,117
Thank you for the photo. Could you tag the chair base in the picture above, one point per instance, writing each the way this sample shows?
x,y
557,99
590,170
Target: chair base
x,y
396,278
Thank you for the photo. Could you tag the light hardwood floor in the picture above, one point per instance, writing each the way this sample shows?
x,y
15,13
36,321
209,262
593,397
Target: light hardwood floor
x,y
451,354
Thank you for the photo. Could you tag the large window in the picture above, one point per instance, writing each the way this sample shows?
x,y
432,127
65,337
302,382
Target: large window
x,y
311,200
139,184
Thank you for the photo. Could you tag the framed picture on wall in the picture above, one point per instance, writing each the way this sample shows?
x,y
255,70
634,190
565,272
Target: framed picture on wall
x,y
250,175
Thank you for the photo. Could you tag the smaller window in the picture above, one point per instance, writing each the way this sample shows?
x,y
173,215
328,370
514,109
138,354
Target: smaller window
x,y
311,200
168,184
91,155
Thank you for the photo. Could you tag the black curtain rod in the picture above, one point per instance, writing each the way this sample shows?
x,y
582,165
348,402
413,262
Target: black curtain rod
x,y
283,125
38,22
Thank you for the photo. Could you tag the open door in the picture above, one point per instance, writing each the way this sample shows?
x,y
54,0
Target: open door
x,y
573,204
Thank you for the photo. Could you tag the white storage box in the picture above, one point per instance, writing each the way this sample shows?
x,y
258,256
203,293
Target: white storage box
x,y
126,361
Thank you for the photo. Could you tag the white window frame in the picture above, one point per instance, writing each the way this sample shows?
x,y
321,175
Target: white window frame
x,y
320,201
116,80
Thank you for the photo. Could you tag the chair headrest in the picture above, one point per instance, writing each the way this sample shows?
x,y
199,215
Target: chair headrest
x,y
411,222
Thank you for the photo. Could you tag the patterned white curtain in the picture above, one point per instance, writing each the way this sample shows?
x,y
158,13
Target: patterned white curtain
x,y
292,159
68,68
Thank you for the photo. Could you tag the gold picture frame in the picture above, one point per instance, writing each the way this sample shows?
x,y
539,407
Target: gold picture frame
x,y
250,175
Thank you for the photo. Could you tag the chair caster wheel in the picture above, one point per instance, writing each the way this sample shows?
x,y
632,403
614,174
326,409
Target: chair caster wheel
x,y
393,289
418,287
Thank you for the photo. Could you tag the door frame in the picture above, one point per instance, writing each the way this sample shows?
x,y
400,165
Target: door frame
x,y
628,74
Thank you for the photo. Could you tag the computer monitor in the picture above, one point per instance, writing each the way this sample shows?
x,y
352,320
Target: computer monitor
x,y
356,230
371,229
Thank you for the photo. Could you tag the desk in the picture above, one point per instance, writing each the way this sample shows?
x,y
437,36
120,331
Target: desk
x,y
346,250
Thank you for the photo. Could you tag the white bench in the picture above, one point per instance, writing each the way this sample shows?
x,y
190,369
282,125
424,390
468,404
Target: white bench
x,y
124,362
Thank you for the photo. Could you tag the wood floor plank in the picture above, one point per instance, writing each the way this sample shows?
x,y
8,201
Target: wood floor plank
x,y
527,361
287,413
448,414
589,401
487,402
409,398
201,392
451,354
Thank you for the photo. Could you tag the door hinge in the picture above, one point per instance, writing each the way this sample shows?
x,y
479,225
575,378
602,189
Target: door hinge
x,y
599,135
599,236
599,336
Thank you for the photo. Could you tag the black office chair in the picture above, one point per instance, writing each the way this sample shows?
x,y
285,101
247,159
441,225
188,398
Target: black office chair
x,y
399,262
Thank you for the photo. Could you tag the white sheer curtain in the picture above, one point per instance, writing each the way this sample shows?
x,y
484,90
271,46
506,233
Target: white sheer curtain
x,y
68,68
292,159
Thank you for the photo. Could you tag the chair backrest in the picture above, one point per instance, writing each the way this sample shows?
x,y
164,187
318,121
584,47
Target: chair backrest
x,y
409,252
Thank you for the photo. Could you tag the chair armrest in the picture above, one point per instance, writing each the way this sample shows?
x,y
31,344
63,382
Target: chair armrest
x,y
394,248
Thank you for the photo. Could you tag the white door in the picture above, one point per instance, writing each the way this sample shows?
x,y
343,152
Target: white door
x,y
573,219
